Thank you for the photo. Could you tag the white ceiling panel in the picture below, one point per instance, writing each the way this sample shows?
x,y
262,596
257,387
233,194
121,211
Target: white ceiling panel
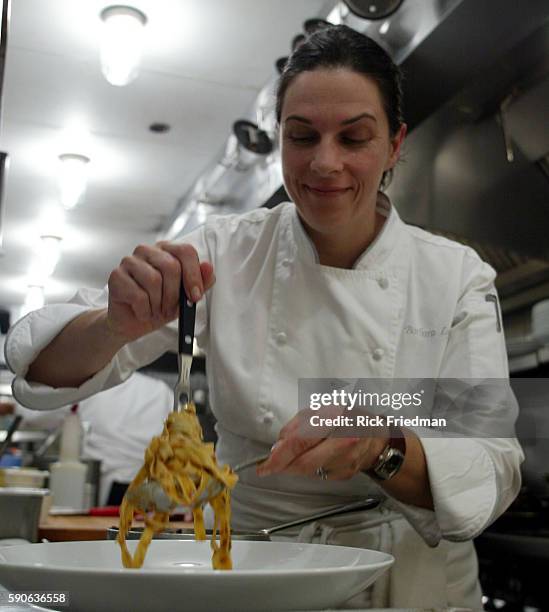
x,y
188,105
204,64
227,41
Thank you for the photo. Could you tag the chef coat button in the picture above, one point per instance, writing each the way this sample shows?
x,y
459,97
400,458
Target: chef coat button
x,y
383,282
268,418
286,263
378,354
281,338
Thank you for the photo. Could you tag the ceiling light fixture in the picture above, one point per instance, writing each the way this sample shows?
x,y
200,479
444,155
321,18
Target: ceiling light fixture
x,y
122,43
73,178
34,299
51,221
48,256
159,128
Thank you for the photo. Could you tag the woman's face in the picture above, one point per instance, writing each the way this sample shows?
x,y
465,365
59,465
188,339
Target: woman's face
x,y
335,146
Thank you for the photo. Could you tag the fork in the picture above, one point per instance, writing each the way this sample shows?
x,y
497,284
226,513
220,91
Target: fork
x,y
187,315
150,493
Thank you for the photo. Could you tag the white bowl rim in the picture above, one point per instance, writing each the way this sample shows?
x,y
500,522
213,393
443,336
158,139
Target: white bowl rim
x,y
385,561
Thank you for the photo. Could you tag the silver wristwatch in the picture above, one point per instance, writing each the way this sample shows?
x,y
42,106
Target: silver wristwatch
x,y
391,457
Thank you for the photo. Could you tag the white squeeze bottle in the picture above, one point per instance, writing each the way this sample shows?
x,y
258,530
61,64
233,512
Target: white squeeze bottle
x,y
68,475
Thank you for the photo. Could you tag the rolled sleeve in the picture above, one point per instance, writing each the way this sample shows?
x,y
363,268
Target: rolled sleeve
x,y
424,521
463,486
472,482
41,397
29,336
130,358
24,343
33,333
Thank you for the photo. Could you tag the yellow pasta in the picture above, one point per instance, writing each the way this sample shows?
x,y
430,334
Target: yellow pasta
x,y
183,464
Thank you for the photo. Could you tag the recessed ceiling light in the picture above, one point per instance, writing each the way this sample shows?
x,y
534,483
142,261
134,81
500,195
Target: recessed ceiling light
x,y
160,128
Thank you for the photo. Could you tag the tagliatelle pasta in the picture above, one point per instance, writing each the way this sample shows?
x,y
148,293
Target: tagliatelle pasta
x,y
183,464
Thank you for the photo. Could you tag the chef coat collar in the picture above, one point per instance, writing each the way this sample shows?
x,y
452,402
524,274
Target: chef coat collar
x,y
376,253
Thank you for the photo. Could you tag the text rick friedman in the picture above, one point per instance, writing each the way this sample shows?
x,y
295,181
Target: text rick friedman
x,y
361,420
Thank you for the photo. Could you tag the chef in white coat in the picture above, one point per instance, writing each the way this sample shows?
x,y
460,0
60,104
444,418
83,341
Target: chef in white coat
x,y
330,285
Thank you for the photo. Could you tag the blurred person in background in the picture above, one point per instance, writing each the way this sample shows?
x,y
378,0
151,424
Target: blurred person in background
x,y
119,424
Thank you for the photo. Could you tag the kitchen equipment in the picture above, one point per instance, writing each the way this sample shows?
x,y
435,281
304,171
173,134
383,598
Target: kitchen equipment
x,y
187,315
150,494
9,434
68,475
20,509
47,443
267,576
373,9
105,511
9,460
22,477
310,26
153,495
252,138
93,475
263,535
297,41
280,64
513,554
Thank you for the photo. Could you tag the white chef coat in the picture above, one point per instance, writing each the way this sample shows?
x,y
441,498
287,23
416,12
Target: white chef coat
x,y
121,422
276,315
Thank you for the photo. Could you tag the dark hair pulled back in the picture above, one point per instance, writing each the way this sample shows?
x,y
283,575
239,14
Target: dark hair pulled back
x,y
342,47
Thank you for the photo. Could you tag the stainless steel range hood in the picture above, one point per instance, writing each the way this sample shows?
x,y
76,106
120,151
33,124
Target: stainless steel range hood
x,y
458,178
479,146
476,103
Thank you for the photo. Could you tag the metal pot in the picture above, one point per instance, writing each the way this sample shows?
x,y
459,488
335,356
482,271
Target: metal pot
x,y
20,511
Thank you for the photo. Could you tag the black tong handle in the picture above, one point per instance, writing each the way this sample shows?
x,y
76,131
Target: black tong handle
x,y
187,315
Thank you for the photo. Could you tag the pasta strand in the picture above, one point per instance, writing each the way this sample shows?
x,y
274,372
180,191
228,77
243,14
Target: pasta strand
x,y
184,465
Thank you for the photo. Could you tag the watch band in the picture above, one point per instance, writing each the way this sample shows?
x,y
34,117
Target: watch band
x,y
391,458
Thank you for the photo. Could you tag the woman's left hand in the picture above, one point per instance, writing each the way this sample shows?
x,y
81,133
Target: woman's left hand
x,y
334,458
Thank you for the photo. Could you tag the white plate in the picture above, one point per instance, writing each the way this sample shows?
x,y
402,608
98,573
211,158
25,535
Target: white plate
x,y
267,576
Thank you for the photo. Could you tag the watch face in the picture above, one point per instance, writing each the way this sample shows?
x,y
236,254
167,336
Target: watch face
x,y
391,464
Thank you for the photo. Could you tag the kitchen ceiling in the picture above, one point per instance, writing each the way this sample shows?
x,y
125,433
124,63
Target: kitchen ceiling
x,y
203,65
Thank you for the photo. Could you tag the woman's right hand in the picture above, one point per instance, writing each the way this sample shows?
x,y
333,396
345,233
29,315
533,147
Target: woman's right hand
x,y
144,288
